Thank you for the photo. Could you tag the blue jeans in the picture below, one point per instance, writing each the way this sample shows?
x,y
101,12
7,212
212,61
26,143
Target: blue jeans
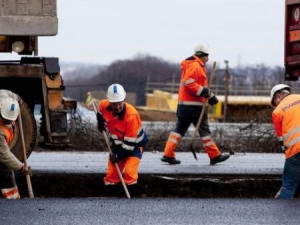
x,y
291,177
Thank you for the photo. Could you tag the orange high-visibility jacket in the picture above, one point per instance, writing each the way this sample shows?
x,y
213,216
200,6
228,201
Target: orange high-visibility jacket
x,y
9,135
286,121
193,79
7,158
125,129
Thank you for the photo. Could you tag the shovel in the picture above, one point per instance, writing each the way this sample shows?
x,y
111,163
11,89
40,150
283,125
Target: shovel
x,y
28,180
202,113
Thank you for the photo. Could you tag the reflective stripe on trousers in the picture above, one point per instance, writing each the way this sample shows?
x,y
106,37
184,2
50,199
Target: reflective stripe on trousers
x,y
210,147
11,193
172,142
182,126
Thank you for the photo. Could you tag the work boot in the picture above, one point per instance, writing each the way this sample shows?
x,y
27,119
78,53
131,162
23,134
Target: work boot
x,y
170,160
218,159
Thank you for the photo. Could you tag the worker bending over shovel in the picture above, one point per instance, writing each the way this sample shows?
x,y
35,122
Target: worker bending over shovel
x,y
192,96
9,111
286,121
127,136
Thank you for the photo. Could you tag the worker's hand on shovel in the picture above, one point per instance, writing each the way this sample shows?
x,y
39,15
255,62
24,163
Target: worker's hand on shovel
x,y
114,158
213,99
102,126
26,171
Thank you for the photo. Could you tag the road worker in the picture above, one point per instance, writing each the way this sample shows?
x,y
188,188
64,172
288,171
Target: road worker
x,y
127,136
192,94
89,98
286,121
9,111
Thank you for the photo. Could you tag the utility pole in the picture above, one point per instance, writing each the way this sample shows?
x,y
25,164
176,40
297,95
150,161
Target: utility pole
x,y
227,80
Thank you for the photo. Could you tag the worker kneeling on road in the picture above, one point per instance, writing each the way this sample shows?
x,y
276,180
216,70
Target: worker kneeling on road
x,y
9,111
127,136
286,121
192,94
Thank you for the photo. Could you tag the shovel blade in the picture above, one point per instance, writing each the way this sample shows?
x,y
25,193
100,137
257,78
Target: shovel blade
x,y
193,151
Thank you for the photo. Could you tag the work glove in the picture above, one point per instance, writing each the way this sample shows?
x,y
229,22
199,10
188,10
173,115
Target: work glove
x,y
114,158
213,99
101,123
205,93
26,171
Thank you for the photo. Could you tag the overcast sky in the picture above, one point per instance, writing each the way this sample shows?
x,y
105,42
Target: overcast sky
x,y
244,32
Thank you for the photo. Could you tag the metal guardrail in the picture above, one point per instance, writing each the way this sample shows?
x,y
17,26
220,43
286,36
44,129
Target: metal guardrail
x,y
242,90
162,86
172,87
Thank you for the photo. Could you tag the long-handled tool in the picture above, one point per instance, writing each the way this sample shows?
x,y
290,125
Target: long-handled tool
x,y
202,112
277,194
28,180
110,151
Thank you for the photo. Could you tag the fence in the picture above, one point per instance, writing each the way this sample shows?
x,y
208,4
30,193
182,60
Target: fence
x,y
172,87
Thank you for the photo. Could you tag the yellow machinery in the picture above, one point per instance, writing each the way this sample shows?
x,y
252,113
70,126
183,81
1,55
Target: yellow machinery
x,y
239,108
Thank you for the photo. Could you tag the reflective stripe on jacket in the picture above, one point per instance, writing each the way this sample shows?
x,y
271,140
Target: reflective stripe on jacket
x,y
125,129
193,79
286,120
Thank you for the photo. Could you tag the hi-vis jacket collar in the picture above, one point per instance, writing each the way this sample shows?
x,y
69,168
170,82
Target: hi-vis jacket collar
x,y
121,114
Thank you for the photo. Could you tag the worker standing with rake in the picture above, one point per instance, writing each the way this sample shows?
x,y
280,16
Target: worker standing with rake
x,y
9,111
192,97
127,136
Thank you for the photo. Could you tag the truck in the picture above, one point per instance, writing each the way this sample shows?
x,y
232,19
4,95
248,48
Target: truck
x,y
292,40
37,80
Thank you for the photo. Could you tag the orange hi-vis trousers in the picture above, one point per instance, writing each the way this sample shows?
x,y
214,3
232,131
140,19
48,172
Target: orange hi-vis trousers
x,y
172,142
210,147
174,138
128,166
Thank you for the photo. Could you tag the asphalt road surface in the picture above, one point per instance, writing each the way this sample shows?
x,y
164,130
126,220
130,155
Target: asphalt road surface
x,y
95,211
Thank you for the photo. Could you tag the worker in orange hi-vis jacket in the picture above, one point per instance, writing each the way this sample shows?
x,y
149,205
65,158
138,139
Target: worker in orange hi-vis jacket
x,y
286,121
9,111
192,94
127,136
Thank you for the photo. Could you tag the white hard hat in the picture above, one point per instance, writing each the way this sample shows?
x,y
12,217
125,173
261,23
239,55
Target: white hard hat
x,y
115,93
277,88
10,109
202,47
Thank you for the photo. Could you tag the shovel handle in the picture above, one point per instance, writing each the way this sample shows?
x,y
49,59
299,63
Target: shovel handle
x,y
28,180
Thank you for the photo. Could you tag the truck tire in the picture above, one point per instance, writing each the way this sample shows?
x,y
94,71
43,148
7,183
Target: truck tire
x,y
30,133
